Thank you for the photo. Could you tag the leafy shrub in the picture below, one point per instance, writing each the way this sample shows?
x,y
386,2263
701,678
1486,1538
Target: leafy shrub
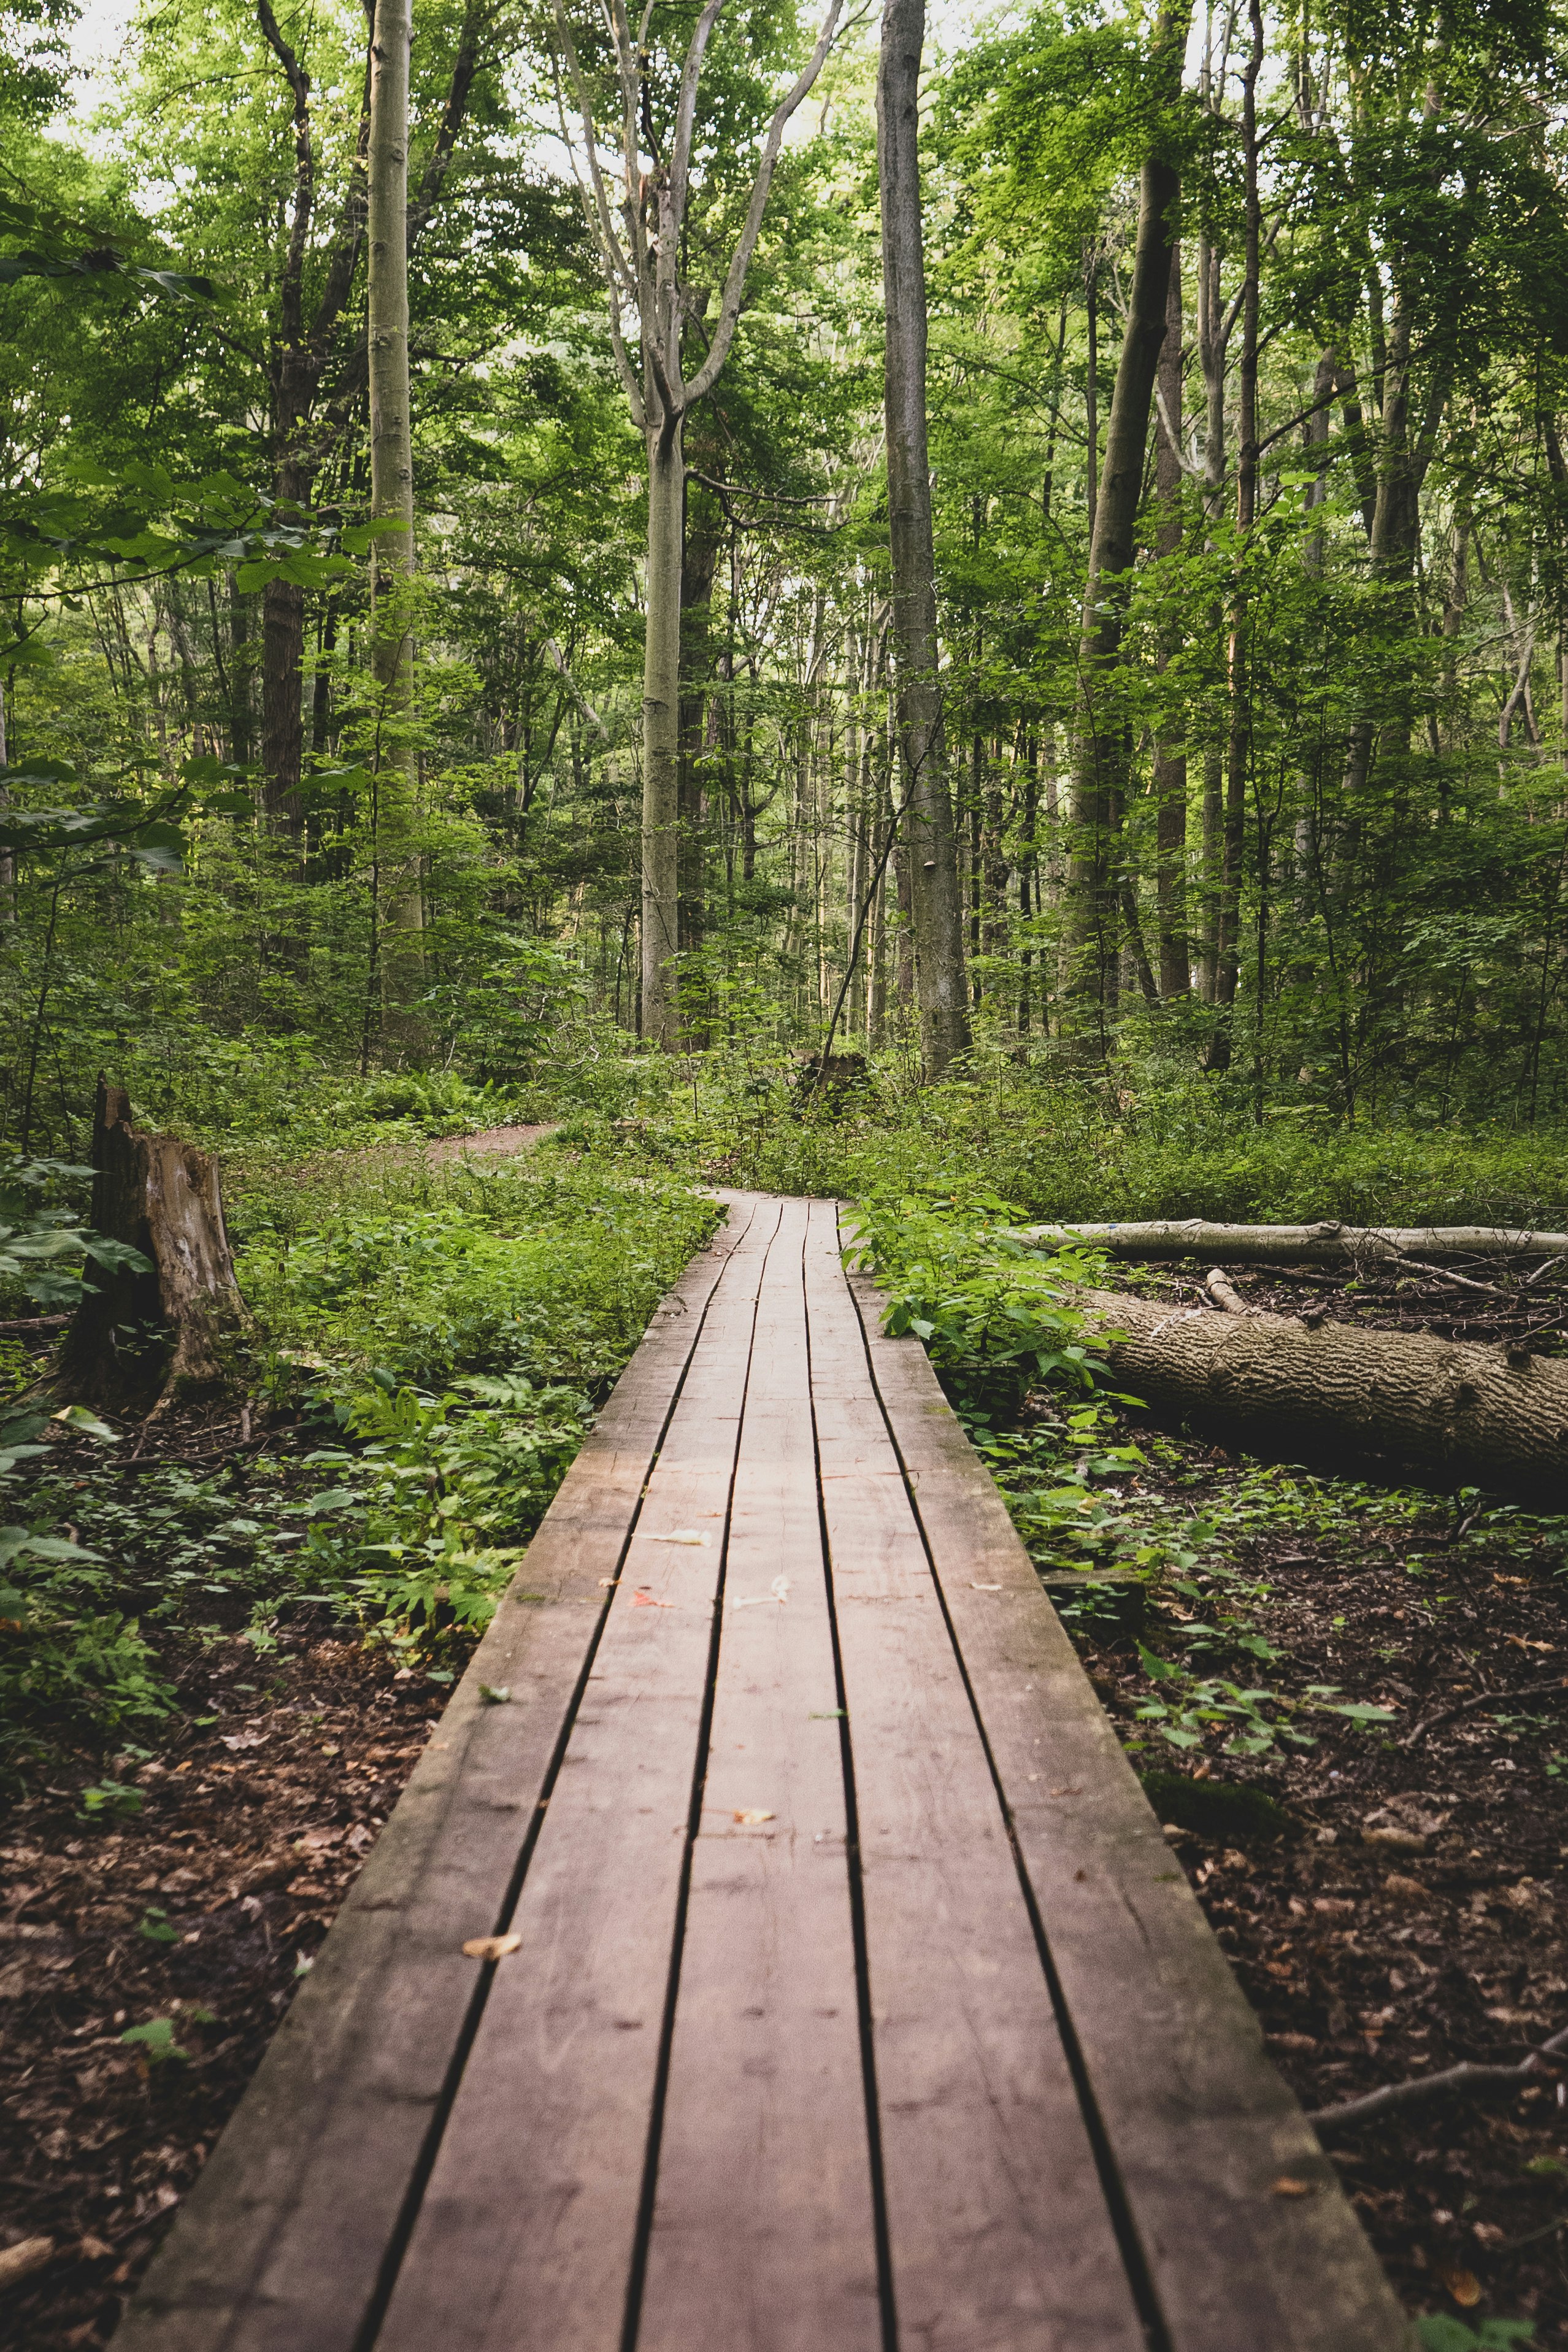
x,y
422,1531
996,1317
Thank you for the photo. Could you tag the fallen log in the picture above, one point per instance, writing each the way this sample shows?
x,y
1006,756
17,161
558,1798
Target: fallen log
x,y
1455,1411
1301,1244
165,1323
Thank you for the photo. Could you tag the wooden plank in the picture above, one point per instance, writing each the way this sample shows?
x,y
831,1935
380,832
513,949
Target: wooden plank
x,y
763,2237
528,2228
999,2232
1200,2124
281,2243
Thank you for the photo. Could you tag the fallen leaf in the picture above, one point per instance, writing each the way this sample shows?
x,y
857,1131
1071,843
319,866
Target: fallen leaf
x,y
643,1599
1073,1789
235,1740
1462,2284
1288,2186
305,1890
495,1694
1405,1890
1301,2042
982,1588
752,1816
318,1840
676,1535
1394,1841
491,1948
19,2261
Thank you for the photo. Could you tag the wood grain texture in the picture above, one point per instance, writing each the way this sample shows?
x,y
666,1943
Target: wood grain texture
x,y
763,2237
529,2224
1000,2235
1200,2123
280,2244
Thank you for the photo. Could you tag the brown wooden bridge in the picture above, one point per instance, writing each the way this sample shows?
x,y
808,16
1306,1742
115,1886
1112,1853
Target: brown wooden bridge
x,y
859,2005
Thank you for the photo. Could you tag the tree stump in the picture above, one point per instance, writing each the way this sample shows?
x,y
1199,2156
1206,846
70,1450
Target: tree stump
x,y
166,1328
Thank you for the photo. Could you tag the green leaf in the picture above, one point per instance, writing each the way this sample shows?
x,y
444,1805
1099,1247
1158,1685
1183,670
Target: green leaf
x,y
155,2040
77,1416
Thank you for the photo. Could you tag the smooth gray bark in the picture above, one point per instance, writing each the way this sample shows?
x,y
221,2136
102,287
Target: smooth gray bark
x,y
936,903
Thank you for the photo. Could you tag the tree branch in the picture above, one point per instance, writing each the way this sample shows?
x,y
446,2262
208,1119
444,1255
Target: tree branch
x,y
1454,2082
741,261
298,82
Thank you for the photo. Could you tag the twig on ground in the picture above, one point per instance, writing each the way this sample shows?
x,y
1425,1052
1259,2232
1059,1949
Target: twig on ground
x,y
1454,2082
1462,1281
1480,1698
1224,1292
34,1323
1544,1267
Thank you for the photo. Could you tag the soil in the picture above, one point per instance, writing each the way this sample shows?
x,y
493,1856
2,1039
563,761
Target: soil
x,y
1412,1914
1408,1913
204,1910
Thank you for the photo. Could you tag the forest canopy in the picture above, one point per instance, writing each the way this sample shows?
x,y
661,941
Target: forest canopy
x,y
1264,797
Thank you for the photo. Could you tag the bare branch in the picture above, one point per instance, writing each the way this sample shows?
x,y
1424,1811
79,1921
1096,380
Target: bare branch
x,y
735,282
686,110
1454,2082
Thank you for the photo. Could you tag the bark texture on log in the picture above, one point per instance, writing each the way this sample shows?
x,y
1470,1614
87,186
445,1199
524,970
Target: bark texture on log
x,y
1453,1410
166,1329
1299,1244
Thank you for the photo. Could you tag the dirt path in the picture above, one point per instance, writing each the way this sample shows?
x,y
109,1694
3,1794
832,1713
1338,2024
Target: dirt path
x,y
490,1140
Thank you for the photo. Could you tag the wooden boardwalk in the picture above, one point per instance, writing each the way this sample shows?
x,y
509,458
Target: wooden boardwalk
x,y
860,2003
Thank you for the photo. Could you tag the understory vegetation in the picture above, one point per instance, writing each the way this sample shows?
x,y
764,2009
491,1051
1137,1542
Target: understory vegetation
x,y
431,1343
1082,735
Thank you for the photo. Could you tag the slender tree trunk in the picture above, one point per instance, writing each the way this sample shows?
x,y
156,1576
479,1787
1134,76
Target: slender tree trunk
x,y
932,859
1100,761
391,502
661,733
282,668
1091,380
1170,760
699,561
1238,741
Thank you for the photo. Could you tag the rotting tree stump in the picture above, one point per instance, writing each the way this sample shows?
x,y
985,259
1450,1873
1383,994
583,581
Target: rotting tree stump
x,y
165,1329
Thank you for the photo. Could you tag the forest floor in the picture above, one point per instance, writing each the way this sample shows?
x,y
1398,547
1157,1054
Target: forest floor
x,y
1397,1906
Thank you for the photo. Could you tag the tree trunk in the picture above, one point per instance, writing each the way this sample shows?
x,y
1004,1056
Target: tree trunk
x,y
1326,1243
932,859
661,733
167,1328
699,561
391,502
1455,1412
1170,760
1100,761
1238,741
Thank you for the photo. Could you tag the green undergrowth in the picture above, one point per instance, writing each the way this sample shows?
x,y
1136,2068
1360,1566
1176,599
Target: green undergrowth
x,y
1081,1145
1167,1549
440,1337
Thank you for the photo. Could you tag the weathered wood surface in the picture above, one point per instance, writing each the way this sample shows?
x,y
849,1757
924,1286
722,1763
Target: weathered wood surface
x,y
860,2003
